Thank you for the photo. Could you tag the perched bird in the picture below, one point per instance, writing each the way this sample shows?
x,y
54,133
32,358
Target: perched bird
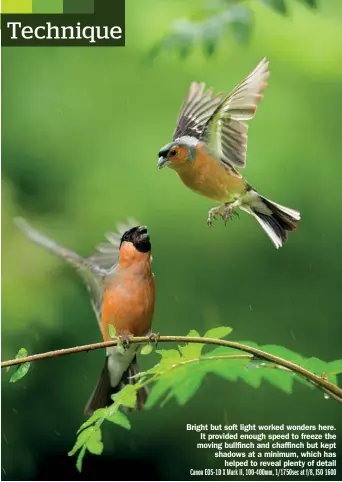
x,y
122,288
210,143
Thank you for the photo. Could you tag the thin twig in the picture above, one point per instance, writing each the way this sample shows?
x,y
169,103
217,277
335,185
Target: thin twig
x,y
319,381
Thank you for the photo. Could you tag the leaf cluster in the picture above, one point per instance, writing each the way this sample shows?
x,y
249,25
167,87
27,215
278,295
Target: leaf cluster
x,y
180,372
206,27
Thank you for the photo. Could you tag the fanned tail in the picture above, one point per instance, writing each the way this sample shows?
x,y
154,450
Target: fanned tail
x,y
102,394
276,220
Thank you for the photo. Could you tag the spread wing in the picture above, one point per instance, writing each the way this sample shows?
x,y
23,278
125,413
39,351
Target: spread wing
x,y
107,253
92,269
225,133
197,109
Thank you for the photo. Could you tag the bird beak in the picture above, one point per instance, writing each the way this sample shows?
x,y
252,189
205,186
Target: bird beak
x,y
142,234
163,162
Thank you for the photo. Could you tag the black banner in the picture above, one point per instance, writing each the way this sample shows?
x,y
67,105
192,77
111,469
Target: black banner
x,y
103,26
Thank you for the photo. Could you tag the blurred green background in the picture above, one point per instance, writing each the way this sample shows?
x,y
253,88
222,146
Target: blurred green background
x,y
82,128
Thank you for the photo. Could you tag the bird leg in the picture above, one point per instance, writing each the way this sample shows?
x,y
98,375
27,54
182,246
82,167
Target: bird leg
x,y
124,338
229,211
154,338
226,214
212,214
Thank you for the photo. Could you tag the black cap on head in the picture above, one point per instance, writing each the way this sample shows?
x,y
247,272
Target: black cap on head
x,y
139,237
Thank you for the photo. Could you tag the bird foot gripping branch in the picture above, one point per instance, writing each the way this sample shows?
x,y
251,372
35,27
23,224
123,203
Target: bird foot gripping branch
x,y
124,339
154,338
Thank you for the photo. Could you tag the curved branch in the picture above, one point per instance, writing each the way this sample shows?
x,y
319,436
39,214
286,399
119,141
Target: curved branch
x,y
320,381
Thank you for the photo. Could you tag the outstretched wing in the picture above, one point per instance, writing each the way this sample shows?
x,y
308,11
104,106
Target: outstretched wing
x,y
107,253
225,133
92,269
197,109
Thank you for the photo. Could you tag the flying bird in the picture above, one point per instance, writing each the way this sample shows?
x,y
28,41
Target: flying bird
x,y
209,145
122,290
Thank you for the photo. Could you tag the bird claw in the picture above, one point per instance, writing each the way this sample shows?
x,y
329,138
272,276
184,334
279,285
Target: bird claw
x,y
154,338
212,215
228,214
124,339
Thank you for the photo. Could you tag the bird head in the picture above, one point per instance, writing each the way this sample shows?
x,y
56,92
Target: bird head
x,y
138,237
176,154
135,249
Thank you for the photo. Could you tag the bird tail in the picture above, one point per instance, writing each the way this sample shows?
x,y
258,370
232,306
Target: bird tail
x,y
102,394
275,219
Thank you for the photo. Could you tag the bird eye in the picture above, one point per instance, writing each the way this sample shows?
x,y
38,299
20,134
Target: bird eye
x,y
173,153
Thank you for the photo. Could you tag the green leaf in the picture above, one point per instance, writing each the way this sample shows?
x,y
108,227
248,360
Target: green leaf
x,y
277,5
163,365
94,443
20,372
121,348
228,369
252,377
332,378
311,3
218,332
279,378
21,353
120,419
159,389
188,380
303,381
193,333
335,367
80,458
222,351
315,365
112,331
168,359
241,22
127,396
22,369
181,37
95,447
191,350
211,30
154,51
210,46
99,413
283,353
81,440
146,349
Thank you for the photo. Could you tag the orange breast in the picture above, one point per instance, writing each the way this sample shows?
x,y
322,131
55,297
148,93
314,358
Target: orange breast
x,y
128,304
208,177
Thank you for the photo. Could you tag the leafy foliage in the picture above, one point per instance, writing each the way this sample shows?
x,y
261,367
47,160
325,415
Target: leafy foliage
x,y
181,371
208,26
21,370
146,349
112,331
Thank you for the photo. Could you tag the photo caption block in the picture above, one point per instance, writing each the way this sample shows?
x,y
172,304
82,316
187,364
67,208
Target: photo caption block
x,y
250,450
